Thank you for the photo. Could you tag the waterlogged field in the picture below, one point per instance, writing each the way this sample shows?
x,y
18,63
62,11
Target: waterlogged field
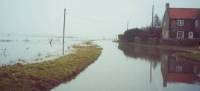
x,y
45,75
32,49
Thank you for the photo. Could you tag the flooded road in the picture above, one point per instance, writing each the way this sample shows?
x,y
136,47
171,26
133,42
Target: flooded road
x,y
123,67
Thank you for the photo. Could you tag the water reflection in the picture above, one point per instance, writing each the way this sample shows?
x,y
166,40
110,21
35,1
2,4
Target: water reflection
x,y
50,42
124,67
151,54
180,70
174,70
3,52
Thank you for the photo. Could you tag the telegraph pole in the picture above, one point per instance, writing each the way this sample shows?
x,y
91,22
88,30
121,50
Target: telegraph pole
x,y
152,22
152,26
127,24
63,51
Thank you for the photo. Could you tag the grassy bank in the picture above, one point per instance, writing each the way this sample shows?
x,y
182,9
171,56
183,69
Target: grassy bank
x,y
192,56
46,75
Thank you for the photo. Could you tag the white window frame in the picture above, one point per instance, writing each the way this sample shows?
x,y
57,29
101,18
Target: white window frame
x,y
180,22
190,35
182,36
196,23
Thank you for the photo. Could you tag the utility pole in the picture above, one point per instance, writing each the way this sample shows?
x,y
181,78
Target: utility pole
x,y
127,24
152,26
152,22
64,33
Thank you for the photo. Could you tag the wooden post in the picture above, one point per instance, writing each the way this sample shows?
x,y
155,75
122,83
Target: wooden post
x,y
64,33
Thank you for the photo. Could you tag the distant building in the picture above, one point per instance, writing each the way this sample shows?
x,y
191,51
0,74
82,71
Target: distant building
x,y
181,23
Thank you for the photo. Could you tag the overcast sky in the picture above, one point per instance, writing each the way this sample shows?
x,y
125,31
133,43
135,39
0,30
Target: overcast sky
x,y
85,18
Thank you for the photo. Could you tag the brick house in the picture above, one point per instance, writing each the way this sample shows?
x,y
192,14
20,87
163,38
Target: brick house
x,y
181,23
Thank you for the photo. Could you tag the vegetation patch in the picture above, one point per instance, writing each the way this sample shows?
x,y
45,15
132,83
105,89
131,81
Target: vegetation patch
x,y
46,75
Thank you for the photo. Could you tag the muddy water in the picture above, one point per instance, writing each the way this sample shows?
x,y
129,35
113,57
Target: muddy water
x,y
123,67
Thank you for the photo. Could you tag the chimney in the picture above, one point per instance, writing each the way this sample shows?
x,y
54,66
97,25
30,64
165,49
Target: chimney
x,y
167,5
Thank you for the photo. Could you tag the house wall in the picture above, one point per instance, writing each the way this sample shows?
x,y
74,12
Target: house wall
x,y
189,26
197,28
196,34
165,26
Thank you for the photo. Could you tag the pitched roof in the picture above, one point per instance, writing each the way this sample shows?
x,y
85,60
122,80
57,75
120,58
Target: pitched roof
x,y
184,13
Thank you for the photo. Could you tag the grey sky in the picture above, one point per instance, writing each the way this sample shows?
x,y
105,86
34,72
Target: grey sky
x,y
85,18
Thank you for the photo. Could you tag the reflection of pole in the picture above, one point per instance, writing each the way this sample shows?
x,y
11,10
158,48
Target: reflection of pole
x,y
150,80
165,70
64,33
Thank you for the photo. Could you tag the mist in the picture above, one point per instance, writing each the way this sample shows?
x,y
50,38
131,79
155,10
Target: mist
x,y
85,18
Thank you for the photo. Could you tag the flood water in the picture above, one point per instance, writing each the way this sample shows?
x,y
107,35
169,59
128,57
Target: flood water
x,y
15,49
123,67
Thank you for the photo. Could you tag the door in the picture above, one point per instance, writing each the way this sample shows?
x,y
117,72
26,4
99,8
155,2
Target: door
x,y
190,35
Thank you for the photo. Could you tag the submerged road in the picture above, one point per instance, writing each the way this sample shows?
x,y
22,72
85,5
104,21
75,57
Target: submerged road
x,y
125,68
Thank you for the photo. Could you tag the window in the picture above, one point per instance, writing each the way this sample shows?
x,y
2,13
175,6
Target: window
x,y
180,22
179,68
180,34
190,35
196,23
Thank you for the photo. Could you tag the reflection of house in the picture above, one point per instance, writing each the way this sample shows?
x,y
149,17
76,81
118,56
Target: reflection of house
x,y
181,23
136,51
175,69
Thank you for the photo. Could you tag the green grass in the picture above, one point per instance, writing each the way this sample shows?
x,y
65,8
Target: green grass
x,y
46,75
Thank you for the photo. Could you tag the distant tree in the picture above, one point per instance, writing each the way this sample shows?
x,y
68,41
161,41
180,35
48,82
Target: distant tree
x,y
156,21
131,33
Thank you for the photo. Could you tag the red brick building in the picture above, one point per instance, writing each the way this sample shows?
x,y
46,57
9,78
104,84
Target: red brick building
x,y
181,23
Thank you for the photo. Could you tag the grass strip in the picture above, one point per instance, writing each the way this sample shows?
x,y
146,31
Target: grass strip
x,y
48,74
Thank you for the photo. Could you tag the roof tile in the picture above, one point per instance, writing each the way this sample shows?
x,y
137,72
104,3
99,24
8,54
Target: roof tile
x,y
184,13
